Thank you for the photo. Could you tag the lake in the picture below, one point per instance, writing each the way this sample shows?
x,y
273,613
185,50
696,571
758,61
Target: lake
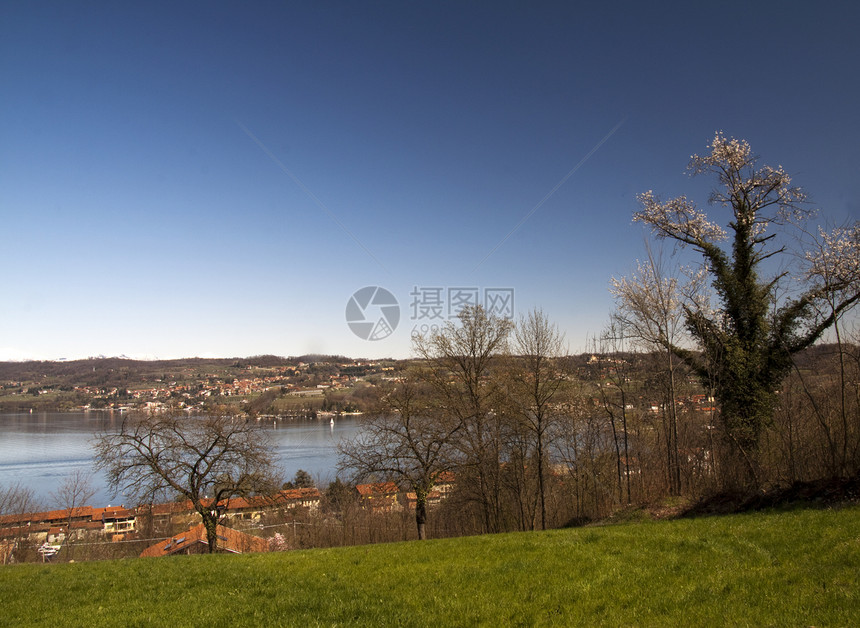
x,y
39,449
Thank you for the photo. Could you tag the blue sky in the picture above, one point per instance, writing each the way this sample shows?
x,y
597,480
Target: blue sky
x,y
210,179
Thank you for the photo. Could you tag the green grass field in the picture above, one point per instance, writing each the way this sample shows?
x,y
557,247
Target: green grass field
x,y
795,568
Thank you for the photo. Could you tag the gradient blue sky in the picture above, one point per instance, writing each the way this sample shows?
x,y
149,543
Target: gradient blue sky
x,y
211,179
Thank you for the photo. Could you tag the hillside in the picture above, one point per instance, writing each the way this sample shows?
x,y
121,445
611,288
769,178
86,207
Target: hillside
x,y
775,568
119,383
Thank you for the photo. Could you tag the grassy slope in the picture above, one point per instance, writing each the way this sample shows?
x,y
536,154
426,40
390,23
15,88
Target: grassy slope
x,y
794,568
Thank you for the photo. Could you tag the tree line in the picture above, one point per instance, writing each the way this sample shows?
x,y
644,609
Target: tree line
x,y
534,444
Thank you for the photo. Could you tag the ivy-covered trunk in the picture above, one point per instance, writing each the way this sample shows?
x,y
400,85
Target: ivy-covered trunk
x,y
210,522
421,514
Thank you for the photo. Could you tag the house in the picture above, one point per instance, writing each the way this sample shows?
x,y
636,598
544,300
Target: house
x,y
379,496
164,516
194,541
444,483
38,526
410,499
442,488
116,519
304,497
256,507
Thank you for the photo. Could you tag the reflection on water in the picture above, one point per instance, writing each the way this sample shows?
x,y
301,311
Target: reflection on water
x,y
40,449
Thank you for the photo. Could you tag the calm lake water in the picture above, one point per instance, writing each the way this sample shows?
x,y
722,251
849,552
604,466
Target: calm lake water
x,y
40,449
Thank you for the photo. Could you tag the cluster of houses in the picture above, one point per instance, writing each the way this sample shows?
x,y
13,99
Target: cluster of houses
x,y
387,497
48,530
117,523
206,387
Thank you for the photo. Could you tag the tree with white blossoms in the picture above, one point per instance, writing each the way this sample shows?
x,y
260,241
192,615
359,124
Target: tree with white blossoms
x,y
756,322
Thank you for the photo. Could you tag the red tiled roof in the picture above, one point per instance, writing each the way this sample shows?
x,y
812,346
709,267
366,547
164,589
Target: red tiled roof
x,y
432,495
229,540
10,520
39,519
282,497
112,512
445,477
377,489
168,508
300,493
75,513
47,516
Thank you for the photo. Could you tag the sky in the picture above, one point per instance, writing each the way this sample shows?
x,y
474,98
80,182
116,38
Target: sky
x,y
213,179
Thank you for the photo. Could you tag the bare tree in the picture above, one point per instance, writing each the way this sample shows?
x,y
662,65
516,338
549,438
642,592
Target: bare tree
x,y
20,502
17,499
405,442
71,495
535,382
581,449
461,363
615,395
649,304
206,459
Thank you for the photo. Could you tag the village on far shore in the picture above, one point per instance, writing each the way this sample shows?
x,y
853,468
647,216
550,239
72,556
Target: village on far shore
x,y
260,386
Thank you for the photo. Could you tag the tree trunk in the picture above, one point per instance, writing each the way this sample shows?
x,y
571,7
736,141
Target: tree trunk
x,y
421,515
210,521
740,465
674,455
541,487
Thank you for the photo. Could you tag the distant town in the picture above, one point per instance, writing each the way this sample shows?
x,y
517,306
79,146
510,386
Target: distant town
x,y
260,385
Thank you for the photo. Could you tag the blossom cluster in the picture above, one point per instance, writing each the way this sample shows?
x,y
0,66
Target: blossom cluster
x,y
836,260
757,196
646,283
733,154
677,218
654,303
